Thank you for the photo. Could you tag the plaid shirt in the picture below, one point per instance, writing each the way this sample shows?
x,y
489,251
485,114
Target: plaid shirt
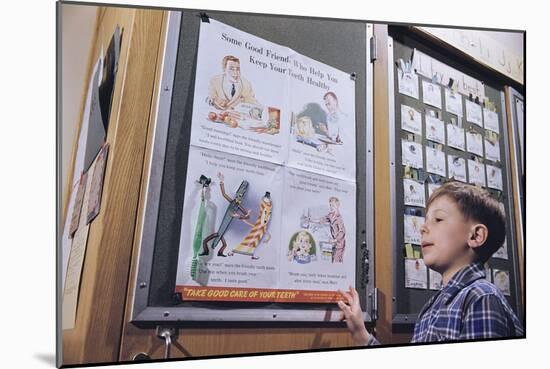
x,y
468,307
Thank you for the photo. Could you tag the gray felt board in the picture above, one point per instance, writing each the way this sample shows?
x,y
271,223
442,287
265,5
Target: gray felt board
x,y
341,44
408,302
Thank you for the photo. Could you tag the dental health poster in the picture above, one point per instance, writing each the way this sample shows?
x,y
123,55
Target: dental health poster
x,y
270,199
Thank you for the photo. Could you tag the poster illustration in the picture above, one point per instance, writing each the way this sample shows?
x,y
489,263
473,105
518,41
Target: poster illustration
x,y
269,210
318,233
322,102
233,110
251,93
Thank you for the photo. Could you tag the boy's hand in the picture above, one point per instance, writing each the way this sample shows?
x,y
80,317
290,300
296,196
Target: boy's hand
x,y
352,314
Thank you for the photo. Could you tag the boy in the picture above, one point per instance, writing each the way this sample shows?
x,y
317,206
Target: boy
x,y
464,226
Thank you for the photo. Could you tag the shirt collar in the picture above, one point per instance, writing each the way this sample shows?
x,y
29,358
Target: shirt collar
x,y
462,278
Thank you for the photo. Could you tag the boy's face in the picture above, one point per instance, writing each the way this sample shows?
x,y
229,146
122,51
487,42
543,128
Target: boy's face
x,y
444,236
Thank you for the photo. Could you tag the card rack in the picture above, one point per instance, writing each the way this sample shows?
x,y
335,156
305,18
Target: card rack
x,y
407,302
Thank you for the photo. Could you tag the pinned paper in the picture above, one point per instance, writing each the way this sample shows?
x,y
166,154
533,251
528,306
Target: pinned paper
x,y
416,275
476,173
494,177
455,137
412,225
457,168
490,119
453,102
73,275
408,83
411,154
417,254
431,93
411,120
96,184
413,193
501,279
492,147
474,143
435,129
77,209
435,161
436,280
473,113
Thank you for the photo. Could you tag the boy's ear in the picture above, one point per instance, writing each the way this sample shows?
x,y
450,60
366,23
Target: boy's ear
x,y
478,235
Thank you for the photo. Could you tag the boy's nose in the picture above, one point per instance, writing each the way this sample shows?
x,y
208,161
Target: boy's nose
x,y
423,228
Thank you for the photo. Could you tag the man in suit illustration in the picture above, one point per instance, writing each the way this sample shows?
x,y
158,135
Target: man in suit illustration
x,y
229,89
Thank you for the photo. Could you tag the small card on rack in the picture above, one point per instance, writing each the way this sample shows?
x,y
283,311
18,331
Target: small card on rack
x,y
457,168
501,279
412,225
455,137
492,149
411,154
435,161
416,274
474,143
473,113
436,280
490,120
453,102
431,93
476,173
435,129
494,177
413,192
411,120
408,83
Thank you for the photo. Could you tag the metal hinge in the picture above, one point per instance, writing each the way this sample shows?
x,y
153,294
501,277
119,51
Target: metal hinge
x,y
374,304
373,52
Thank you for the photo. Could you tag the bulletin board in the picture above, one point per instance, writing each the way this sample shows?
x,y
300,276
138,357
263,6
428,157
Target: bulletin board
x,y
340,44
408,301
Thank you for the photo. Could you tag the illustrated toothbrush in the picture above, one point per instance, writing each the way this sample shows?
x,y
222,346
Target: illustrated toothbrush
x,y
197,239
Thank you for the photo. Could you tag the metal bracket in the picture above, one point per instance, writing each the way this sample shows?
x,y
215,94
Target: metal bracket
x,y
374,304
373,53
167,333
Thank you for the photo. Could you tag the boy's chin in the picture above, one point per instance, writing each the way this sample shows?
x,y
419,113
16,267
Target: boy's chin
x,y
430,263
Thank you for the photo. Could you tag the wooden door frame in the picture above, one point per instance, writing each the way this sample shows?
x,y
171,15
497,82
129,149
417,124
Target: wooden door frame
x,y
97,333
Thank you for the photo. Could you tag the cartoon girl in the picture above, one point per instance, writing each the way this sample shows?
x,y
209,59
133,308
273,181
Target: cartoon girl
x,y
302,248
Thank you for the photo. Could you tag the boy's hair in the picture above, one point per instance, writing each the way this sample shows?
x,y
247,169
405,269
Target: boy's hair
x,y
476,204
